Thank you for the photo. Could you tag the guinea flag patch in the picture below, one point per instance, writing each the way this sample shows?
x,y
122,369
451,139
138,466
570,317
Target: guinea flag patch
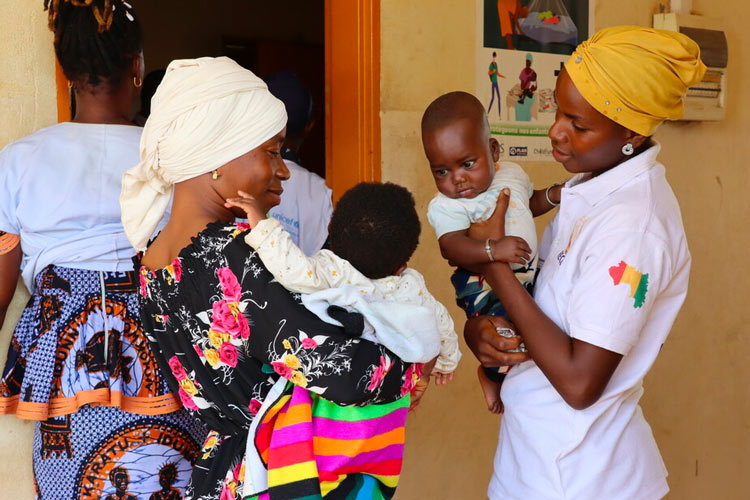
x,y
624,273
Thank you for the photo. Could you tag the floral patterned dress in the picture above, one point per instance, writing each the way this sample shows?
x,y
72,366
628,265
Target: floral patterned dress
x,y
227,331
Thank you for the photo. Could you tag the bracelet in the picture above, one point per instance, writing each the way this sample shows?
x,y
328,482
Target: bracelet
x,y
488,250
546,194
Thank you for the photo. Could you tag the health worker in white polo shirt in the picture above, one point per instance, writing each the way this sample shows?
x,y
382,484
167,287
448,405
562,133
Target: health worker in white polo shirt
x,y
614,274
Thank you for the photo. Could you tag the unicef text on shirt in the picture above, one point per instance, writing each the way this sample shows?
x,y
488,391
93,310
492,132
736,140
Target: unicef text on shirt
x,y
286,220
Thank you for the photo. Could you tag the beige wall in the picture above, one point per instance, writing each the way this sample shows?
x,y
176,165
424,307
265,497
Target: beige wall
x,y
27,103
27,70
697,393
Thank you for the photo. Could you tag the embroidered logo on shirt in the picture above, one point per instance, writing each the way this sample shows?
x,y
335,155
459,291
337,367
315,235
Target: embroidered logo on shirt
x,y
624,273
573,236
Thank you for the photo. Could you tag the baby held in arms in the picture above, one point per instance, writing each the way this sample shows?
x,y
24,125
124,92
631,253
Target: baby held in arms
x,y
464,163
373,233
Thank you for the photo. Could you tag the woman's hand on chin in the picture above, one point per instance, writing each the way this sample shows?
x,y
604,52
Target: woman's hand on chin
x,y
249,205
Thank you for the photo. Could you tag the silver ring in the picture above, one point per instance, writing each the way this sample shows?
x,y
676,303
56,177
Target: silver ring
x,y
509,333
505,332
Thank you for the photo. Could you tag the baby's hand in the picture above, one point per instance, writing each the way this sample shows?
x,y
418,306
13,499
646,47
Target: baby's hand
x,y
511,249
250,205
418,391
443,378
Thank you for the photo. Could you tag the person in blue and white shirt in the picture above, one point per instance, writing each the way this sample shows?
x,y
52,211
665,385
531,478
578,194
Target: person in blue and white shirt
x,y
305,209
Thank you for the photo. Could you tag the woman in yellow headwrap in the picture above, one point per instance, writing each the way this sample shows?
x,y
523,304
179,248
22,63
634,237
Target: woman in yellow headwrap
x,y
614,273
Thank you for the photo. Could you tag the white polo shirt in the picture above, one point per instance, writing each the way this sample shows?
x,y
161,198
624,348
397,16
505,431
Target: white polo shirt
x,y
615,267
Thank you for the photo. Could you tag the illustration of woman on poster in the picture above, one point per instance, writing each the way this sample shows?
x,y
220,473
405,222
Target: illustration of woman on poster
x,y
528,80
525,106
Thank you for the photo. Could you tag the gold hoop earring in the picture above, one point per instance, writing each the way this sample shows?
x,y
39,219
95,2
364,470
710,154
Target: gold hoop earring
x,y
70,84
215,174
137,82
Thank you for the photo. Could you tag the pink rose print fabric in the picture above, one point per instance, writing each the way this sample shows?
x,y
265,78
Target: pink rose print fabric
x,y
226,331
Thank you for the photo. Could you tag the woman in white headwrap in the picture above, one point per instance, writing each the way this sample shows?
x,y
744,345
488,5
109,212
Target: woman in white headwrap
x,y
226,331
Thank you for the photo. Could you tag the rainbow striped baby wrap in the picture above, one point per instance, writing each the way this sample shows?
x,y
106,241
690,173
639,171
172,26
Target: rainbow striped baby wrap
x,y
312,447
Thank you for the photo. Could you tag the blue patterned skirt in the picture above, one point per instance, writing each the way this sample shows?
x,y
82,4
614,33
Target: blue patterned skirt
x,y
107,423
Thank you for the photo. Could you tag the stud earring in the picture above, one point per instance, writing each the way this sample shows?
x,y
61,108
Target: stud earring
x,y
137,82
215,174
627,149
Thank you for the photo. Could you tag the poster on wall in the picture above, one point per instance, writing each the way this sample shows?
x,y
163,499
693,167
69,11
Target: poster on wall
x,y
521,47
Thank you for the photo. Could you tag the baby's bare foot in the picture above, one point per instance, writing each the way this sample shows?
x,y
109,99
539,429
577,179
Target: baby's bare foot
x,y
491,391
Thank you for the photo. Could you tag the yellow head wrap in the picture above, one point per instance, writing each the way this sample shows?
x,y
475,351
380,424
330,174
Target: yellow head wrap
x,y
635,76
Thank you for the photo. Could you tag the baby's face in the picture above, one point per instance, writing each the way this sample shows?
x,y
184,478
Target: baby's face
x,y
461,158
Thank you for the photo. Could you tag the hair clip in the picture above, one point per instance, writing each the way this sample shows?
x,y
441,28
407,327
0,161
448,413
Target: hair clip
x,y
127,13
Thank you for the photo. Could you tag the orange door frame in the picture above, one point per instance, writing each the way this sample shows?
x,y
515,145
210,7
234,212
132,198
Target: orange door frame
x,y
63,94
352,65
352,89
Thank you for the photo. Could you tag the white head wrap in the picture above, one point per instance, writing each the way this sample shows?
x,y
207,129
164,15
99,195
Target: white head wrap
x,y
205,113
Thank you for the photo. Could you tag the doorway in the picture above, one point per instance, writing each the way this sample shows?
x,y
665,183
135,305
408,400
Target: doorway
x,y
265,37
333,45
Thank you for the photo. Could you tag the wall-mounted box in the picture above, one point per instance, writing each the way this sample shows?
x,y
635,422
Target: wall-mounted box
x,y
707,99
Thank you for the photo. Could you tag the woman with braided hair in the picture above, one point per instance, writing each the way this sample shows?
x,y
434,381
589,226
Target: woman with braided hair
x,y
79,363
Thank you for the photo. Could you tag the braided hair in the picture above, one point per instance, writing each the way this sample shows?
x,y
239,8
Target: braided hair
x,y
95,40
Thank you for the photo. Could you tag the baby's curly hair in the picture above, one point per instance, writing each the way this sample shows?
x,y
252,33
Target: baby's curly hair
x,y
375,227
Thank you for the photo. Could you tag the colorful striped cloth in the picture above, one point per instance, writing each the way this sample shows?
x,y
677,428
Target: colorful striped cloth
x,y
313,447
